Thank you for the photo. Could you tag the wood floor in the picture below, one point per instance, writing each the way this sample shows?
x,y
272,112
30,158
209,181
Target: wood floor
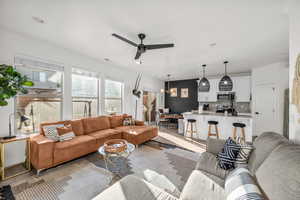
x,y
170,135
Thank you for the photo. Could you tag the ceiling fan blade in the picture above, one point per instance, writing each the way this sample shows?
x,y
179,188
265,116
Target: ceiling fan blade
x,y
158,46
138,54
124,39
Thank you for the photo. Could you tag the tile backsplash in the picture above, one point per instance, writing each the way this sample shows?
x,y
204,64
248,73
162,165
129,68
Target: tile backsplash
x,y
241,107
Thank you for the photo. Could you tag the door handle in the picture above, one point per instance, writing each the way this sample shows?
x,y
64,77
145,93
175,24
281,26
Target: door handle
x,y
257,113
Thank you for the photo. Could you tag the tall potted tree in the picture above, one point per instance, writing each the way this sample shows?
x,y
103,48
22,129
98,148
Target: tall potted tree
x,y
11,83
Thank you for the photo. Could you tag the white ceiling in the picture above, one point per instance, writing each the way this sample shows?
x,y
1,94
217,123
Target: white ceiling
x,y
248,33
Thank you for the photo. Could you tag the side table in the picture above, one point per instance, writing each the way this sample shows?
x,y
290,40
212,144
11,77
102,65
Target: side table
x,y
27,165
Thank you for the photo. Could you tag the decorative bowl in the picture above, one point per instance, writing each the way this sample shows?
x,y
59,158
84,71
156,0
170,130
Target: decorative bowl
x,y
115,146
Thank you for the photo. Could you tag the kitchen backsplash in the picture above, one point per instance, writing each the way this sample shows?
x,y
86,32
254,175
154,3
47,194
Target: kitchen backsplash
x,y
241,107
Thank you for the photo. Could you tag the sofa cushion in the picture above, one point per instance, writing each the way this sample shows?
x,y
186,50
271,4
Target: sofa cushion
x,y
199,186
107,134
92,124
279,174
71,149
116,120
241,185
263,146
77,127
51,132
209,163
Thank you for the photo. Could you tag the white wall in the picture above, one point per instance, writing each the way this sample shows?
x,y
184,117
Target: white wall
x,y
13,44
277,74
294,17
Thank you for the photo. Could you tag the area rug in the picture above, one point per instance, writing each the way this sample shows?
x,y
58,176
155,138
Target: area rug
x,y
86,177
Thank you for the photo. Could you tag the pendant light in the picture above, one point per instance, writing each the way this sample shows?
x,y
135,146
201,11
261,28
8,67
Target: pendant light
x,y
225,83
204,85
168,84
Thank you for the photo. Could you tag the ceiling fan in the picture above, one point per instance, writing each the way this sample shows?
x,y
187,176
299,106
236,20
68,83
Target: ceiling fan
x,y
141,48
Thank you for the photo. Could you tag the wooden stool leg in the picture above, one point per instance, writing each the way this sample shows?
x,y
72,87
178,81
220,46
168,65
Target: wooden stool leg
x,y
217,132
243,135
209,130
234,133
192,130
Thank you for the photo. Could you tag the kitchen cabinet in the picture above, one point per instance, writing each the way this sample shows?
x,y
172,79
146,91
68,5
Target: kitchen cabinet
x,y
242,88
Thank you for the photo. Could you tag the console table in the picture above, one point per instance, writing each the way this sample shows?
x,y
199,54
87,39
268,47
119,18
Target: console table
x,y
26,164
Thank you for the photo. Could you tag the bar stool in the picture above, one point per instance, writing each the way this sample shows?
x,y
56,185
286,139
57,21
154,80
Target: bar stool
x,y
241,126
192,123
215,124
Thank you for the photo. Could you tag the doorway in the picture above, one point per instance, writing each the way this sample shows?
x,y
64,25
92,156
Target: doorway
x,y
149,107
265,109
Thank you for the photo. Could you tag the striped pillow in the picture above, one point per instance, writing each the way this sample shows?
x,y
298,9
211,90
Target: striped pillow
x,y
244,154
228,154
240,185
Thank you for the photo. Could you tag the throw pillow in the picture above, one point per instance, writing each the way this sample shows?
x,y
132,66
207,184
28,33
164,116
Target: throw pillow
x,y
128,121
51,131
65,133
240,185
244,154
228,154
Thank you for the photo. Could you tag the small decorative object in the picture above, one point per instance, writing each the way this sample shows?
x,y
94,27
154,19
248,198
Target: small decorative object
x,y
173,92
128,121
23,119
296,85
184,92
115,146
204,85
225,83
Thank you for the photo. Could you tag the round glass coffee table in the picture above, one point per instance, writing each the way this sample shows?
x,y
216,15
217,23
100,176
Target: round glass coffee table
x,y
107,156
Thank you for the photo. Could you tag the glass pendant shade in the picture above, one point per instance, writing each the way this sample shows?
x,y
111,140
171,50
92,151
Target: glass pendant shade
x,y
204,85
225,83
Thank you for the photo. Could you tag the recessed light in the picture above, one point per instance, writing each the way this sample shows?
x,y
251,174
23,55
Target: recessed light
x,y
107,59
38,20
213,44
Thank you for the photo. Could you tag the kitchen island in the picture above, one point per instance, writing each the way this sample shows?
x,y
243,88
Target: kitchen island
x,y
225,126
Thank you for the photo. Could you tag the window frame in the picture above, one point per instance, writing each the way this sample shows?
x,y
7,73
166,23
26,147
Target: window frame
x,y
122,95
61,70
98,77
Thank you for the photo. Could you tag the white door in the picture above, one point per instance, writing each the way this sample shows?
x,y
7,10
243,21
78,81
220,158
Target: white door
x,y
265,109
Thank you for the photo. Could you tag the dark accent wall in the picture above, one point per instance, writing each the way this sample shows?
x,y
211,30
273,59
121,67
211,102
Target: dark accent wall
x,y
178,104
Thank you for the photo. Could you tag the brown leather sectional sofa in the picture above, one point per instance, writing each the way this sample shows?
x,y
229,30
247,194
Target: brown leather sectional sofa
x,y
90,133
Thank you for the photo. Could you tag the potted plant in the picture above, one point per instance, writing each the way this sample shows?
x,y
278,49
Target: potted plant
x,y
11,83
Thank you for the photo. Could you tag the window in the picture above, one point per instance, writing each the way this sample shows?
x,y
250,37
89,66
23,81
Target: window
x,y
113,97
85,94
43,102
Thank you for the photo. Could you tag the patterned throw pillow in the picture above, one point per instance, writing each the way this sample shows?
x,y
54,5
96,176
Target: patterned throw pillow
x,y
51,131
228,154
128,121
240,185
65,133
244,154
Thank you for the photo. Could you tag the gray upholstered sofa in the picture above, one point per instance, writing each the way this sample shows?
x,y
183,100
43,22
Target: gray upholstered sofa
x,y
275,164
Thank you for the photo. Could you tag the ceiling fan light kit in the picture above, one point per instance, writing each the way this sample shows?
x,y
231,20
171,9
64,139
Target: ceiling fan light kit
x,y
225,83
141,48
204,84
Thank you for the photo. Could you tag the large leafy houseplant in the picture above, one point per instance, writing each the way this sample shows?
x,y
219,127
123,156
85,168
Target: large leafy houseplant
x,y
11,83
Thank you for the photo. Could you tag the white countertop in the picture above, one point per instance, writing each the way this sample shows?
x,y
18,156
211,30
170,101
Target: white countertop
x,y
240,115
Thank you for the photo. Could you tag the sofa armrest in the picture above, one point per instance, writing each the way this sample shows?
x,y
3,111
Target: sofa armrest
x,y
214,146
139,123
41,151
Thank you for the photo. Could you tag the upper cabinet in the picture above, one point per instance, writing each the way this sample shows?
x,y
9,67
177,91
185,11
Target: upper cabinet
x,y
242,88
